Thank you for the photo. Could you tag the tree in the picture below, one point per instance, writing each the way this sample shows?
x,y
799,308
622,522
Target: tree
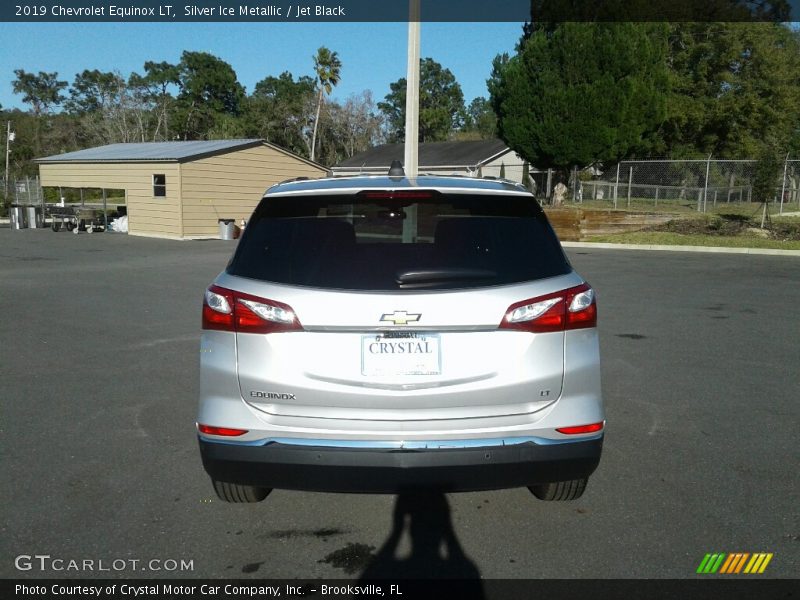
x,y
97,100
93,91
142,106
481,119
578,93
768,172
441,104
280,111
359,124
162,76
327,67
735,90
209,89
284,108
550,12
111,109
41,91
348,128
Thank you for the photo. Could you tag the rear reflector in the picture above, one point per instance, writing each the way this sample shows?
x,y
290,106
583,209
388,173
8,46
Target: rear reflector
x,y
580,429
226,431
573,308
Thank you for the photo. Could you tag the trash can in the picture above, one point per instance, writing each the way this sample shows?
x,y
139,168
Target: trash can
x,y
34,218
227,229
17,216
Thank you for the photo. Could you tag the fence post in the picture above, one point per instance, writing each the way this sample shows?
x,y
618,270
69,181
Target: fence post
x,y
783,186
656,196
705,186
630,182
549,183
616,187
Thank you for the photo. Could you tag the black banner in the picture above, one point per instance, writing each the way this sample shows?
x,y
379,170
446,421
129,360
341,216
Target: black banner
x,y
169,11
712,587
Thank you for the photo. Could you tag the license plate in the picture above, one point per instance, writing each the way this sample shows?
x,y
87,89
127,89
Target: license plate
x,y
406,353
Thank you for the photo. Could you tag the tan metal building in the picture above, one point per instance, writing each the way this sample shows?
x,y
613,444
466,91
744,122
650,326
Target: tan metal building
x,y
180,189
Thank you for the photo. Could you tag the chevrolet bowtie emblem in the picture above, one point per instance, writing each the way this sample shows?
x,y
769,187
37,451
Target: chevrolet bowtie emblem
x,y
400,317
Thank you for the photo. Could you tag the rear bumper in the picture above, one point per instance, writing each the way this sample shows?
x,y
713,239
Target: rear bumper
x,y
391,470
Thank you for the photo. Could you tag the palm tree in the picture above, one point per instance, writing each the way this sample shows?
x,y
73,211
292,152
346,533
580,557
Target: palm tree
x,y
327,67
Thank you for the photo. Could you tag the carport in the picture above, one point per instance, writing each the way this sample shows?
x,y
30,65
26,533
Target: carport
x,y
180,190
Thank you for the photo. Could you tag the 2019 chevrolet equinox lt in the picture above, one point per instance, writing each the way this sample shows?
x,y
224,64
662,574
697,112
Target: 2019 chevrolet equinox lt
x,y
383,334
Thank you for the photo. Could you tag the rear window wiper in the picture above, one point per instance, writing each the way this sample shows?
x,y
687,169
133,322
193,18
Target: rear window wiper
x,y
433,277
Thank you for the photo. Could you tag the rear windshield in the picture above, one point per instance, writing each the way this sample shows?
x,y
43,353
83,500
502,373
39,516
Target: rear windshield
x,y
404,240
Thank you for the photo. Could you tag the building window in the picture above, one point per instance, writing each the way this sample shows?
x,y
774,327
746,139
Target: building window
x,y
159,186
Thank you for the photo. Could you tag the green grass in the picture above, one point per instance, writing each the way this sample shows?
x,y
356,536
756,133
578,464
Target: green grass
x,y
667,238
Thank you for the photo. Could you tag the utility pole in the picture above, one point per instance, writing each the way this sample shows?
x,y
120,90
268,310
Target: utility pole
x,y
411,158
9,139
412,91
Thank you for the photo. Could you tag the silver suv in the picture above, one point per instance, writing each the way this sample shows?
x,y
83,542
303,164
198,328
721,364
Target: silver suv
x,y
384,334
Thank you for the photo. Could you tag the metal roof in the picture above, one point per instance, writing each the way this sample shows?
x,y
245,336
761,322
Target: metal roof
x,y
361,182
431,155
152,151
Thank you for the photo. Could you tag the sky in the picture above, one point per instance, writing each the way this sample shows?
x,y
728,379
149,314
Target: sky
x,y
372,54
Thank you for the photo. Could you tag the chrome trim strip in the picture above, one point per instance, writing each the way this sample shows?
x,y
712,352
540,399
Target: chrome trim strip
x,y
410,444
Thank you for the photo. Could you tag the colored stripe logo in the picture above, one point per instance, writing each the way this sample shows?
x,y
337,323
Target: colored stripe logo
x,y
735,563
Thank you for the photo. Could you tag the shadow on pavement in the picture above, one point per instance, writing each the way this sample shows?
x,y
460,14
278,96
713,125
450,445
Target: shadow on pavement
x,y
435,551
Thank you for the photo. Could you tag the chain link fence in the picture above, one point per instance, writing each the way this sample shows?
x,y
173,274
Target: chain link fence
x,y
26,191
668,185
693,184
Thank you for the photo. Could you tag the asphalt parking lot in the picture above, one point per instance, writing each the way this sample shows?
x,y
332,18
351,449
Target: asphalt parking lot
x,y
99,368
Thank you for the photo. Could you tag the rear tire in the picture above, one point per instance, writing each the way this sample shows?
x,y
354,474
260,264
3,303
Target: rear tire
x,y
559,490
235,493
55,225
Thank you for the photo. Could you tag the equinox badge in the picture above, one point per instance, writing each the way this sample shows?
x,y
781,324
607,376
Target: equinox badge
x,y
272,395
400,317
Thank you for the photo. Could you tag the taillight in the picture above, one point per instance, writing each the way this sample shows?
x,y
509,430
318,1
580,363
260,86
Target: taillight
x,y
226,431
573,308
226,310
218,309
